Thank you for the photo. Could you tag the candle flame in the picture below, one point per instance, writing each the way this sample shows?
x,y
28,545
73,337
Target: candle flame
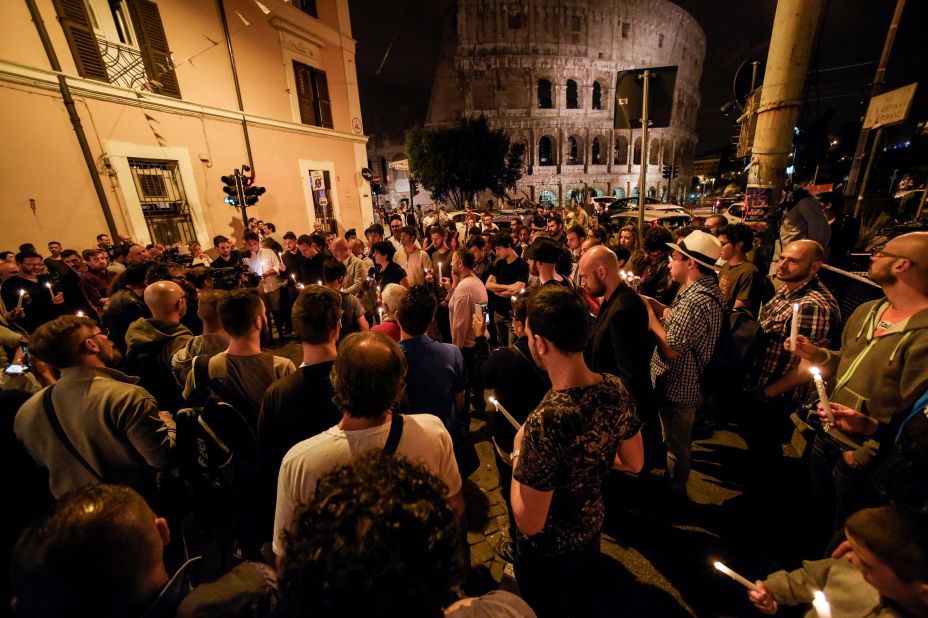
x,y
815,371
21,291
718,565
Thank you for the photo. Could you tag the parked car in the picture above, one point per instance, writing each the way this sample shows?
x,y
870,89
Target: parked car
x,y
669,220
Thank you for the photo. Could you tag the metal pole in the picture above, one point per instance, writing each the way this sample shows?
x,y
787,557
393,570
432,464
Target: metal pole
x,y
921,204
874,90
238,88
642,177
863,183
75,120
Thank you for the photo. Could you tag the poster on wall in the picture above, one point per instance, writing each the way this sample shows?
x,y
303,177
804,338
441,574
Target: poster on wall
x,y
317,178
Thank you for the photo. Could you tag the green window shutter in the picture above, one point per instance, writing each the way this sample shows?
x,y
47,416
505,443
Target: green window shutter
x,y
303,77
81,39
156,55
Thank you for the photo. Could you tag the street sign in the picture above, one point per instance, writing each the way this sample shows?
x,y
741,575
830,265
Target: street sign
x,y
366,174
890,107
402,165
628,95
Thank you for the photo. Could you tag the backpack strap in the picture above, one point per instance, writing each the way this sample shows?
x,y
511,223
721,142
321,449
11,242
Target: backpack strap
x,y
62,436
200,372
396,432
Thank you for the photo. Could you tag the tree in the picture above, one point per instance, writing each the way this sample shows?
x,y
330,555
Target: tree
x,y
455,163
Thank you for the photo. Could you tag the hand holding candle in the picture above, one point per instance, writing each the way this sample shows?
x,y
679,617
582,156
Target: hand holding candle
x,y
735,576
51,292
822,394
19,304
499,408
821,605
794,328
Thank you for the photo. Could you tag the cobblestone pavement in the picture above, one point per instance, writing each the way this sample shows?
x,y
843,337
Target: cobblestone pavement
x,y
657,556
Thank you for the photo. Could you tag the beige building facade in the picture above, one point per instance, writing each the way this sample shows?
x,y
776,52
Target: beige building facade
x,y
545,71
155,91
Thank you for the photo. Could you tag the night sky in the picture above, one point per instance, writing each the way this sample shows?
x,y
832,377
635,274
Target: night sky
x,y
736,30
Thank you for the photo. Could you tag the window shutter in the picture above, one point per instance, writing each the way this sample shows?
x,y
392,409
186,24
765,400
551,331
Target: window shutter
x,y
81,38
149,30
303,77
325,104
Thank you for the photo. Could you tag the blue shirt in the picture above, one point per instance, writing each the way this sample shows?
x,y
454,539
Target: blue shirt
x,y
435,373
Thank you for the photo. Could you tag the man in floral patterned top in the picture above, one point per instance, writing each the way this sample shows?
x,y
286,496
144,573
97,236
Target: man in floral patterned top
x,y
585,425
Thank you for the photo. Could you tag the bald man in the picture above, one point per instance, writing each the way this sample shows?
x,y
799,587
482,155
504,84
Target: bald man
x,y
136,253
620,342
879,373
356,271
151,342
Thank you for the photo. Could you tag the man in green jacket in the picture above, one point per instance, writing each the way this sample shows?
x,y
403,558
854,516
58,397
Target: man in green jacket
x,y
880,371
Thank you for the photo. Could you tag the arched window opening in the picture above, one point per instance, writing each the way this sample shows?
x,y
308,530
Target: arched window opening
x,y
597,96
595,154
545,151
573,98
621,151
544,94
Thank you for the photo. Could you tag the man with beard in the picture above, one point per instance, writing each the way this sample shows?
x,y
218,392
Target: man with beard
x,y
879,372
96,281
781,386
113,425
227,255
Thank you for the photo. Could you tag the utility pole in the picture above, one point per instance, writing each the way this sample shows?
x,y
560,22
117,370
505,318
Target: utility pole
x,y
794,30
874,90
643,176
238,88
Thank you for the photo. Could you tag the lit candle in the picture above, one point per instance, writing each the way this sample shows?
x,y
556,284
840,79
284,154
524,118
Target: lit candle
x,y
319,282
380,314
19,304
513,299
293,276
822,395
735,576
301,286
439,270
794,328
79,313
820,603
51,292
280,255
499,408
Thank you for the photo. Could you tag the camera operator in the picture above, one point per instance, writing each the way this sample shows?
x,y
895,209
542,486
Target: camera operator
x,y
227,255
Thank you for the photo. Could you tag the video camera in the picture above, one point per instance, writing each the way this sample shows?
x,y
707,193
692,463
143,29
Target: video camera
x,y
234,277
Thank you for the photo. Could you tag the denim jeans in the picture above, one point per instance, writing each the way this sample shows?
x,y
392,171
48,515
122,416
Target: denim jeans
x,y
677,430
839,489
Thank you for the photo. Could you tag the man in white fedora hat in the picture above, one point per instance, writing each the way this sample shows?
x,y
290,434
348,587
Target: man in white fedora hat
x,y
686,335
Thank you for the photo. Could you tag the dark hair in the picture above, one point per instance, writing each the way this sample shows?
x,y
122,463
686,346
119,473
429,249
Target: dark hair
x,y
270,226
739,232
561,316
477,241
22,256
99,236
238,311
385,248
466,257
54,242
520,307
89,253
304,239
416,310
4,255
439,229
656,239
290,236
318,240
410,231
158,271
208,303
378,539
396,217
375,228
369,375
198,276
332,270
557,219
621,253
577,229
69,253
897,536
352,233
217,240
316,312
27,247
249,235
59,341
87,557
503,240
134,275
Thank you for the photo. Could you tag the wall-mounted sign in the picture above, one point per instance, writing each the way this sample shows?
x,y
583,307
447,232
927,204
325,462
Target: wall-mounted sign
x,y
317,178
356,125
890,107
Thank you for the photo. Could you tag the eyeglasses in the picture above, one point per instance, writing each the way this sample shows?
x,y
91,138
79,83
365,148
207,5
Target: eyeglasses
x,y
881,254
103,332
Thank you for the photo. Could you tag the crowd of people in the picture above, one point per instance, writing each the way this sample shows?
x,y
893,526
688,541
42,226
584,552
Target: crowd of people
x,y
169,464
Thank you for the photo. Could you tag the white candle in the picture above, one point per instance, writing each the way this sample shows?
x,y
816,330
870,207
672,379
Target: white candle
x,y
794,328
499,408
301,286
293,276
821,605
19,304
79,313
822,395
51,293
735,576
513,299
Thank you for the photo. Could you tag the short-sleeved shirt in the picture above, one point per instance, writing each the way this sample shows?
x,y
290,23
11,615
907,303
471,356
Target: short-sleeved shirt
x,y
435,372
506,274
568,447
424,441
393,273
740,282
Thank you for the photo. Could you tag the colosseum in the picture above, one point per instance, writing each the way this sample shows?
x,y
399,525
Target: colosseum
x,y
545,71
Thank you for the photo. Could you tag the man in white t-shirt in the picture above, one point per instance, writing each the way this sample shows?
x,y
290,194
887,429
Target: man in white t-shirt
x,y
367,381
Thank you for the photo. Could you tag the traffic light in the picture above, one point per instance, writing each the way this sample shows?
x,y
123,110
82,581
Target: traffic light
x,y
232,187
666,172
253,194
675,172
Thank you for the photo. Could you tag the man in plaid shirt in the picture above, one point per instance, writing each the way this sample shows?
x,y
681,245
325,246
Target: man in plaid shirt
x,y
686,340
780,386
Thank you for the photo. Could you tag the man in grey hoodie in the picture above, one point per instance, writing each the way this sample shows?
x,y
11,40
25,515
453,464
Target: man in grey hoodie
x,y
152,342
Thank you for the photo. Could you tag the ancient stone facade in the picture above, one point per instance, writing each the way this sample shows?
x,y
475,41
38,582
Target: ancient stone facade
x,y
546,71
